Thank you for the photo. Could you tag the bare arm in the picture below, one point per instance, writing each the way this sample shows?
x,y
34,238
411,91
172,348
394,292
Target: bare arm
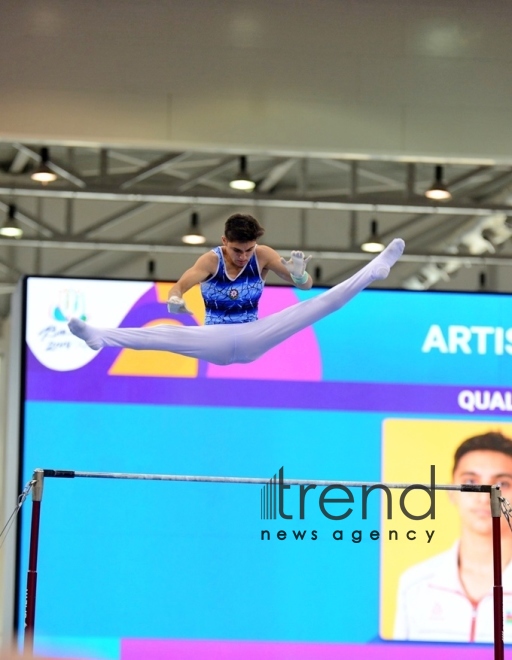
x,y
270,260
204,267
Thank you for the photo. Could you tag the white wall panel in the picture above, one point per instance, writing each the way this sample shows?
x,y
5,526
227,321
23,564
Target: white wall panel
x,y
286,122
335,74
458,129
85,116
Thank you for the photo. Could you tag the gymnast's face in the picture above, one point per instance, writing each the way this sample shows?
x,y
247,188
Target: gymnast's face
x,y
238,254
481,467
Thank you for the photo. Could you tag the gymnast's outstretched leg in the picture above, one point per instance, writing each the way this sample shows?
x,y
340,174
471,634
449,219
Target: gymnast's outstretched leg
x,y
211,343
257,338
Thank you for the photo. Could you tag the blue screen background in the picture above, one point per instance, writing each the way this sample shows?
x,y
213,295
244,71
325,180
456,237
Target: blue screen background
x,y
145,559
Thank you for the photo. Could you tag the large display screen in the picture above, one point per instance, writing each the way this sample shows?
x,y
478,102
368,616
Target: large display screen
x,y
384,390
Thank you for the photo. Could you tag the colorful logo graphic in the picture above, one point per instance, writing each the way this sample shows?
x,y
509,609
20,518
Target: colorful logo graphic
x,y
70,304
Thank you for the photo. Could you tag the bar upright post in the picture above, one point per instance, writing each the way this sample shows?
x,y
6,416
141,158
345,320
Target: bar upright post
x,y
499,648
30,604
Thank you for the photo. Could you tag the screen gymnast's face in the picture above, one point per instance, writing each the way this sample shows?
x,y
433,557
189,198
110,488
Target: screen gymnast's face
x,y
238,254
481,467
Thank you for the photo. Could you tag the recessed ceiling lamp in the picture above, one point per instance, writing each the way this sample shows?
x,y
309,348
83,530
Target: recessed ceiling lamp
x,y
438,189
242,180
194,236
374,242
44,174
10,228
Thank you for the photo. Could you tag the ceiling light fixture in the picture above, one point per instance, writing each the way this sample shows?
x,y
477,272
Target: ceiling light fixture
x,y
194,236
10,228
438,189
242,180
44,174
374,242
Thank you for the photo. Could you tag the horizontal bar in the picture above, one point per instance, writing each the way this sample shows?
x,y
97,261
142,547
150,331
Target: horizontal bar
x,y
70,474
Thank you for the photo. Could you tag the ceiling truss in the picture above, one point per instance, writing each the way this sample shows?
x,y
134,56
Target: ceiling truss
x,y
115,199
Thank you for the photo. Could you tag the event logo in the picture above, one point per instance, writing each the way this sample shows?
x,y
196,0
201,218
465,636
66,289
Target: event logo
x,y
469,340
70,304
52,302
338,502
49,309
55,335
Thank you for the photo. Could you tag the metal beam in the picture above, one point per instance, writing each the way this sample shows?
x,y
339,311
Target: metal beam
x,y
206,172
492,187
373,176
144,234
266,152
30,221
9,268
276,173
456,182
91,258
59,169
19,162
263,201
114,219
112,246
154,168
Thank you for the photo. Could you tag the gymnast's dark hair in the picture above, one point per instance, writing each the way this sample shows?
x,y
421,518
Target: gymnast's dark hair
x,y
491,441
242,228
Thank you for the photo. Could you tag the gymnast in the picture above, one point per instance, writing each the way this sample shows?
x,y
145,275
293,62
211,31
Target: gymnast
x,y
232,277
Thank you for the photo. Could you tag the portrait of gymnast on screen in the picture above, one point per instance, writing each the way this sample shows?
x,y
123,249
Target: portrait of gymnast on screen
x,y
449,597
232,277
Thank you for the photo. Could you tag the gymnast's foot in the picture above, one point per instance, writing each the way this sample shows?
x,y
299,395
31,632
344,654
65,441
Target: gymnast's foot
x,y
381,265
86,332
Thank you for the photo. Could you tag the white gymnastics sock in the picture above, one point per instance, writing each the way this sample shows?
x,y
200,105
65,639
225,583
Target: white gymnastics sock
x,y
90,335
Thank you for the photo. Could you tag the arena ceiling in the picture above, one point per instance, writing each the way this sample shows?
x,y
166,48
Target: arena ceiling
x,y
120,211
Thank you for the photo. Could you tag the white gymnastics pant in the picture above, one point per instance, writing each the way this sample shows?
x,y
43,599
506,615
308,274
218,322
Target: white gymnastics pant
x,y
241,342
